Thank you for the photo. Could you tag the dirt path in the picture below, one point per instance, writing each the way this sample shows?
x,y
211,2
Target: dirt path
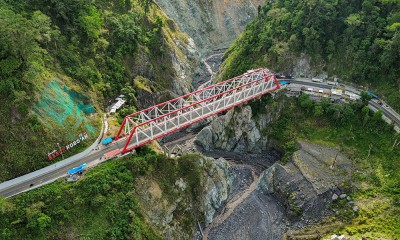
x,y
231,206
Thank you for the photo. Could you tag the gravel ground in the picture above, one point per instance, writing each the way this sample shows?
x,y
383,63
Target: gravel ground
x,y
242,181
259,217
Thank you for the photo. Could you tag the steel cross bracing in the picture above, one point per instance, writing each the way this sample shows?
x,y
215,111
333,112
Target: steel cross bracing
x,y
158,121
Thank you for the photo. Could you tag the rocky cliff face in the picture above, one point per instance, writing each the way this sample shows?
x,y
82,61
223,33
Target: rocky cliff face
x,y
239,130
288,197
217,186
212,24
308,183
162,211
291,195
236,131
170,72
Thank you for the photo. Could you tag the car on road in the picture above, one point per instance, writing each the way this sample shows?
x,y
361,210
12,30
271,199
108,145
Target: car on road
x,y
317,80
107,141
283,83
385,106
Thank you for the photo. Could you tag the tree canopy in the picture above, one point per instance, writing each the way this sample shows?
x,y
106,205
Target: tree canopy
x,y
359,41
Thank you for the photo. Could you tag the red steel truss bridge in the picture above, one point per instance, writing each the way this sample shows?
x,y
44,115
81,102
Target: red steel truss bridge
x,y
158,121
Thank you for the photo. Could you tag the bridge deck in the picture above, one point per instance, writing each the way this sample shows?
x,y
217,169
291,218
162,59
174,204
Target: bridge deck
x,y
163,119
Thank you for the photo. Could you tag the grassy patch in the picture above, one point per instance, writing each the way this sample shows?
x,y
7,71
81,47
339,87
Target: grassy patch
x,y
142,83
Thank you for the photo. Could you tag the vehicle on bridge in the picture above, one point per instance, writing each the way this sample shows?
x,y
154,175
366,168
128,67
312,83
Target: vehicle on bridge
x,y
112,154
78,170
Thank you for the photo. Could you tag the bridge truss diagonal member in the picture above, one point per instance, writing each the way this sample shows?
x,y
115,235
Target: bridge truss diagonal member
x,y
160,120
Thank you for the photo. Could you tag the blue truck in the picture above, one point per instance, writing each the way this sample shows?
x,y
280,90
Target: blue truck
x,y
106,141
77,169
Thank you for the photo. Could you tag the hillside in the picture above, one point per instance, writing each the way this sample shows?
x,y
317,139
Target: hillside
x,y
112,202
62,63
356,41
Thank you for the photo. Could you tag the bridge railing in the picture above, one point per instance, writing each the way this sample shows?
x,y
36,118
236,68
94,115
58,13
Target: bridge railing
x,y
160,120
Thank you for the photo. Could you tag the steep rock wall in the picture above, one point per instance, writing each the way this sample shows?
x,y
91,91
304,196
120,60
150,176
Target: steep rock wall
x,y
161,211
243,129
307,183
170,71
212,24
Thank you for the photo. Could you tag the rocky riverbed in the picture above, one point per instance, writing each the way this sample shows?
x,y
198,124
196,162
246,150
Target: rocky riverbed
x,y
263,198
284,197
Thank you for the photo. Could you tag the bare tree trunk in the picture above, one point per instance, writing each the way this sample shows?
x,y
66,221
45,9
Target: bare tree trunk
x,y
334,161
394,144
369,152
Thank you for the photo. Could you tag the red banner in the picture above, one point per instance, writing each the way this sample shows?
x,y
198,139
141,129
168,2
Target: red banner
x,y
55,153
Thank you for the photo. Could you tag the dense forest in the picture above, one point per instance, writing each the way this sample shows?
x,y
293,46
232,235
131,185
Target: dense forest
x,y
357,41
96,48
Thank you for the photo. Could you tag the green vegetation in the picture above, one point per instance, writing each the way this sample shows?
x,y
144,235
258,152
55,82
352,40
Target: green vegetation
x,y
368,141
93,47
358,41
142,83
105,203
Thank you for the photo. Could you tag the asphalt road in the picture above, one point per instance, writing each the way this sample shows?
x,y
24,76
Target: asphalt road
x,y
57,173
388,112
97,154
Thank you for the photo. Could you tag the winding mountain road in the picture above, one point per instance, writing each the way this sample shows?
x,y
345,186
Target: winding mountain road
x,y
54,172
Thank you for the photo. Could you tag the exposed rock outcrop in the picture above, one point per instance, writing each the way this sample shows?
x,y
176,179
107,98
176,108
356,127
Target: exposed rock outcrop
x,y
212,24
302,67
237,131
307,184
288,196
158,209
172,69
185,59
217,185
